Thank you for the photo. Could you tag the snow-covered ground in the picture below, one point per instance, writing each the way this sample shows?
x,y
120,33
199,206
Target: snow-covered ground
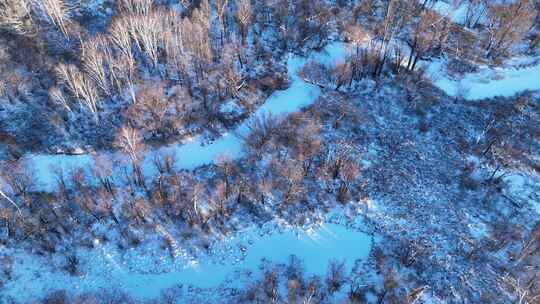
x,y
523,188
107,267
145,272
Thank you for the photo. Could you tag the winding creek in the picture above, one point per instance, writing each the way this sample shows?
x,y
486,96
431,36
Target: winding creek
x,y
108,268
194,153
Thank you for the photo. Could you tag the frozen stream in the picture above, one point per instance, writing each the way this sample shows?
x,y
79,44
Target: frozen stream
x,y
193,153
515,76
106,268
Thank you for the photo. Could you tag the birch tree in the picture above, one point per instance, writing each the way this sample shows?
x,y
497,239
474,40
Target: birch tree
x,y
9,200
394,19
141,7
147,30
95,60
57,95
80,86
123,67
243,16
8,178
58,13
221,9
130,141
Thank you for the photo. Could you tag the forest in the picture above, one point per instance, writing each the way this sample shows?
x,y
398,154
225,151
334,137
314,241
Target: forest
x,y
141,140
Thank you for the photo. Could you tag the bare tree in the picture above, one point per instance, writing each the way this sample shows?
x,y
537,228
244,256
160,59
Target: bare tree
x,y
228,169
430,31
58,13
17,180
475,10
2,194
196,193
80,86
312,19
243,16
173,40
394,19
142,7
57,95
165,163
197,43
18,175
147,30
317,73
265,188
95,57
103,171
357,35
343,73
231,74
261,130
293,174
221,8
131,142
507,25
349,172
150,111
123,68
121,37
335,277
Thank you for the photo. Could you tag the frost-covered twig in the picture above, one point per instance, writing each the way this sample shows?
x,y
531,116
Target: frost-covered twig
x,y
11,201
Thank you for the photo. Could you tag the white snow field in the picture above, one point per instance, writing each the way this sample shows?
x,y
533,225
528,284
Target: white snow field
x,y
104,267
